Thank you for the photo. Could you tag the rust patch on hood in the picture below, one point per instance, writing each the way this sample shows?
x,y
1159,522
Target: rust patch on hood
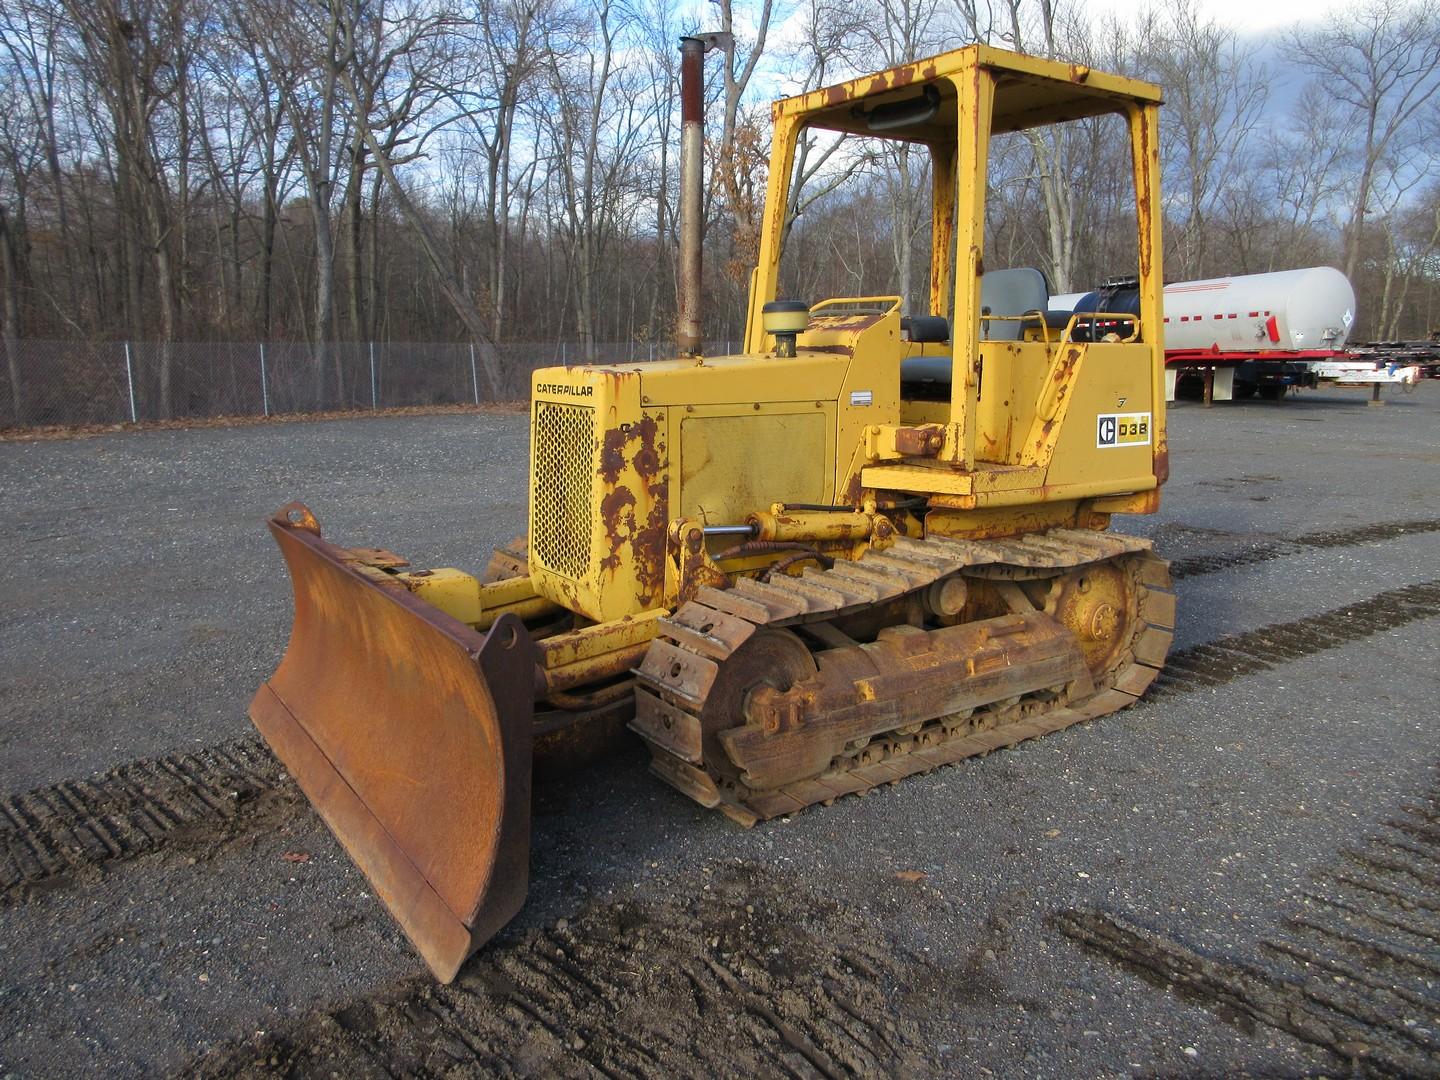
x,y
612,456
846,323
618,521
634,506
649,540
647,457
1144,195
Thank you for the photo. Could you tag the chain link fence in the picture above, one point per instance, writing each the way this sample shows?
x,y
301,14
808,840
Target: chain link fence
x,y
75,383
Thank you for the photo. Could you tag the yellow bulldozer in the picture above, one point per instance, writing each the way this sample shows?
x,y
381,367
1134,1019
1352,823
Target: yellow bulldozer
x,y
872,544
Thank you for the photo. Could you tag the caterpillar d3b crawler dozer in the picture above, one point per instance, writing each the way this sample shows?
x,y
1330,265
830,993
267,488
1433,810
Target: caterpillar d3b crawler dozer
x,y
869,546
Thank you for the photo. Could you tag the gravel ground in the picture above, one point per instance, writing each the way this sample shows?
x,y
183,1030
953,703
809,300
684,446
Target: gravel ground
x,y
145,603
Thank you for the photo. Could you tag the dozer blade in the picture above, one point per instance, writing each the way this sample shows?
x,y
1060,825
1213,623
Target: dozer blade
x,y
411,734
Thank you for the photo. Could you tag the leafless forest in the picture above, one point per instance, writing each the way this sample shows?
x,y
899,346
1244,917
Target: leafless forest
x,y
494,171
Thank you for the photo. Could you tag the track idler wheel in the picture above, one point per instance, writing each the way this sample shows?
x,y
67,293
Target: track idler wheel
x,y
770,658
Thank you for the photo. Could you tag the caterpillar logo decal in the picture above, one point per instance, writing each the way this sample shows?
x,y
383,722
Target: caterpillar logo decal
x,y
1122,429
565,390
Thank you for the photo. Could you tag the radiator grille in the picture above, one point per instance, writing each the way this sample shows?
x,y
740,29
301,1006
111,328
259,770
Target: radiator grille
x,y
564,456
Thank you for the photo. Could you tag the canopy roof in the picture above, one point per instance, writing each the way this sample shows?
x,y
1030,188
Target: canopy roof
x,y
917,102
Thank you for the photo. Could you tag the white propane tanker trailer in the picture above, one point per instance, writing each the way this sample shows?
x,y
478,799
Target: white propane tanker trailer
x,y
1252,333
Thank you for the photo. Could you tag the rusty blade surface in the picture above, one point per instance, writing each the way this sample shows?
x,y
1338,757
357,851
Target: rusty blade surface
x,y
411,735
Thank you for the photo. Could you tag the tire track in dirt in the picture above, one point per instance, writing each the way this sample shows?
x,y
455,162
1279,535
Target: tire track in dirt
x,y
727,982
1356,969
51,835
1267,550
1215,663
195,800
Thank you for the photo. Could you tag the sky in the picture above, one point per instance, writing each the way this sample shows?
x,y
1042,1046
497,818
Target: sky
x,y
1253,17
1258,22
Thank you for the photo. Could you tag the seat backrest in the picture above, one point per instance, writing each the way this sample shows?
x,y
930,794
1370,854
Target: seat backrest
x,y
925,329
1010,292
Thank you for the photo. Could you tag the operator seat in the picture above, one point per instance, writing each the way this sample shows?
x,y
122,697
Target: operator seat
x,y
1016,291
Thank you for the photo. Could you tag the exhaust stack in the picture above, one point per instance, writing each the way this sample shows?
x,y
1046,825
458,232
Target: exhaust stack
x,y
692,181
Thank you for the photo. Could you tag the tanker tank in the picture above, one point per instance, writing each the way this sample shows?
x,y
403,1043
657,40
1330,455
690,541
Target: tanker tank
x,y
1287,310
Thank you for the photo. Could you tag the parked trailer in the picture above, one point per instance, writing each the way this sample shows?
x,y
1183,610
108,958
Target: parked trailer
x,y
1289,311
1243,335
1223,376
1366,373
1424,356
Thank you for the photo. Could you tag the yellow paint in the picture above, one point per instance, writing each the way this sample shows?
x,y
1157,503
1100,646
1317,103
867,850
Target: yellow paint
x,y
591,641
1003,520
464,597
730,464
810,525
921,478
452,591
503,593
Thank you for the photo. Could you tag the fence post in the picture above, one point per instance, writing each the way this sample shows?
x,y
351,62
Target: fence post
x,y
264,388
374,397
130,381
474,378
562,353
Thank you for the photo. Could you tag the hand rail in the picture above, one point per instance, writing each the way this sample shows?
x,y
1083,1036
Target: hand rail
x,y
1110,316
893,301
1075,317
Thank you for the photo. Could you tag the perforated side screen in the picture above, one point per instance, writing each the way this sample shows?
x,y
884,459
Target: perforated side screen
x,y
563,495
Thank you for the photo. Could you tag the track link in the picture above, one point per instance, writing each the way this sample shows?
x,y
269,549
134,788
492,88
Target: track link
x,y
679,674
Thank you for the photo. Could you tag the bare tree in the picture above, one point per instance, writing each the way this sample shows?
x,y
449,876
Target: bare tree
x,y
740,141
411,40
10,306
1214,98
20,154
31,34
1381,62
1037,28
901,32
509,39
503,169
663,72
594,127
303,54
823,54
134,45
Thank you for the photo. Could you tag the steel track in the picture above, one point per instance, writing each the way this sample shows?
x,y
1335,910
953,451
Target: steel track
x,y
686,658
